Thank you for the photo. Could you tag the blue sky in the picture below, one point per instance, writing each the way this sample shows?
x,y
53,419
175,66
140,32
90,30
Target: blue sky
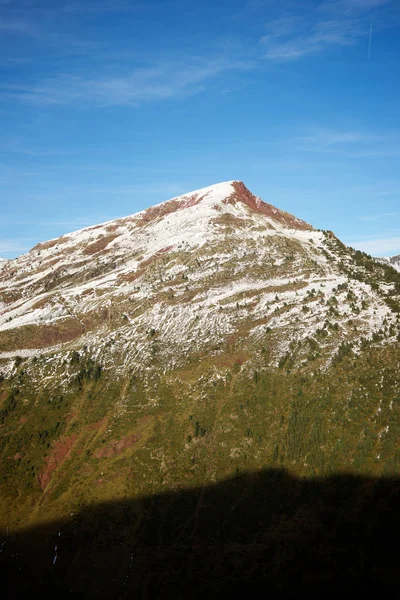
x,y
110,106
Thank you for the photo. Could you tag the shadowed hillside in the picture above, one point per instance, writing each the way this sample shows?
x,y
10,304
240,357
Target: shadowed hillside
x,y
265,532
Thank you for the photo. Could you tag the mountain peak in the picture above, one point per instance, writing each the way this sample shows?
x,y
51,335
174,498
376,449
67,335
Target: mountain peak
x,y
221,195
165,267
188,218
205,203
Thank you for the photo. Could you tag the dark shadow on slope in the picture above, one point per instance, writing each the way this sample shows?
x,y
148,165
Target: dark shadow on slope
x,y
266,533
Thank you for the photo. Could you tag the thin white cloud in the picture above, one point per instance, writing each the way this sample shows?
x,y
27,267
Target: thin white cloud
x,y
13,26
12,246
291,39
96,7
156,83
333,137
378,217
296,34
386,246
352,6
83,222
329,24
390,192
349,143
133,190
17,145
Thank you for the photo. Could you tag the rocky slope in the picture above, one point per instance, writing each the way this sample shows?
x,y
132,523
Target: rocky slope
x,y
210,334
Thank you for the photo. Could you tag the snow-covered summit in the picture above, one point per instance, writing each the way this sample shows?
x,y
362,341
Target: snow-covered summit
x,y
193,218
215,193
194,268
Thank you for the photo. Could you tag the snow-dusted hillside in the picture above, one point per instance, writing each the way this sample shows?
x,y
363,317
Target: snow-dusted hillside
x,y
210,334
192,274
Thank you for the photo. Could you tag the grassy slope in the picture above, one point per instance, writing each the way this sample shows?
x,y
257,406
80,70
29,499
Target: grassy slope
x,y
102,440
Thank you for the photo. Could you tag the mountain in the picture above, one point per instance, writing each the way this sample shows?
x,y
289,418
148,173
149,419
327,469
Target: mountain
x,y
193,270
207,337
393,261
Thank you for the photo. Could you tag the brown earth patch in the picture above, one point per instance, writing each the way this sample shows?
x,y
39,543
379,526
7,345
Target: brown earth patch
x,y
152,258
156,212
58,455
166,208
226,360
242,194
99,245
51,243
129,277
164,250
45,264
46,245
42,302
191,201
9,297
116,447
230,221
87,292
98,425
40,336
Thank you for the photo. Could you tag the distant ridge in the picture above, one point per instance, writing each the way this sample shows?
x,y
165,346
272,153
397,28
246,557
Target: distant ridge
x,y
393,261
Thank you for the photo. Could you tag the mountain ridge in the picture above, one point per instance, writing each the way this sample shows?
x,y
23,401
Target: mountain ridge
x,y
66,288
190,220
393,261
220,193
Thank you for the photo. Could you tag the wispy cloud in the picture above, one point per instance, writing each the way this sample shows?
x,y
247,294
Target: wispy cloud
x,y
332,137
390,191
14,26
163,81
301,38
351,143
134,191
333,23
34,27
385,246
97,7
78,222
369,41
12,246
296,34
378,217
19,146
352,6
